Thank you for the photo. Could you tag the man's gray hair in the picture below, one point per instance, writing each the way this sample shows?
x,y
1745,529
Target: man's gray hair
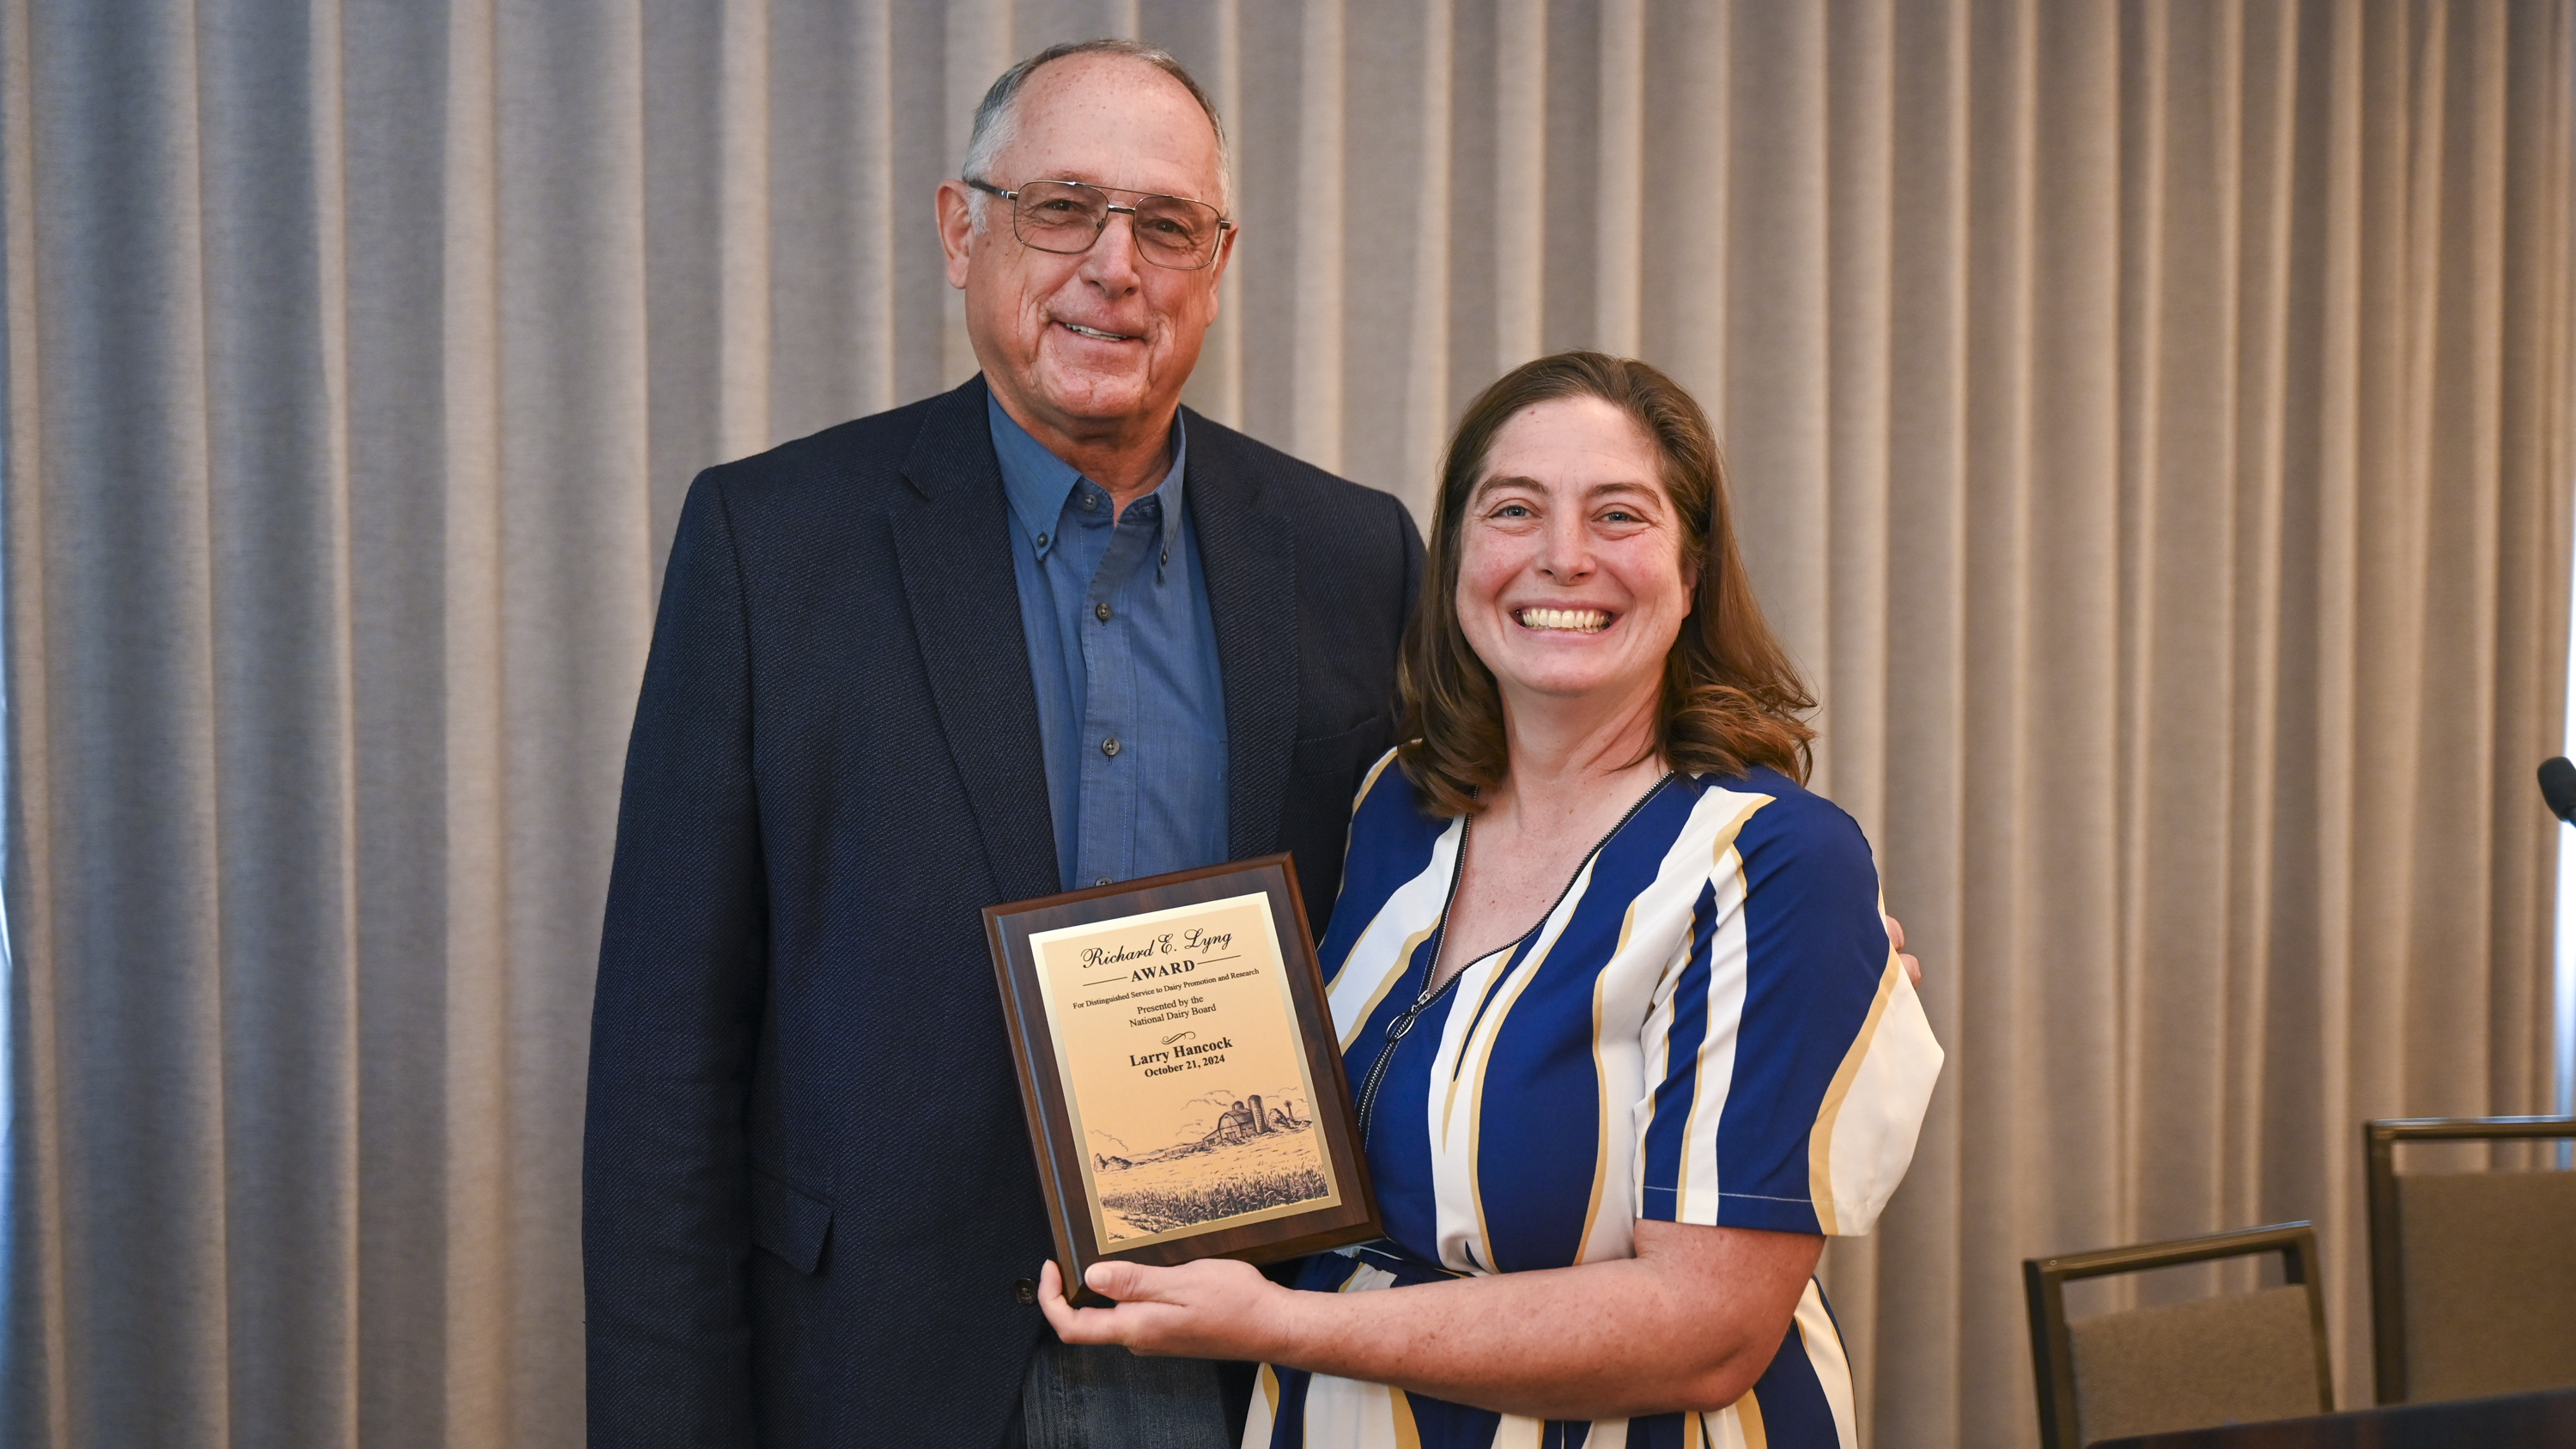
x,y
996,115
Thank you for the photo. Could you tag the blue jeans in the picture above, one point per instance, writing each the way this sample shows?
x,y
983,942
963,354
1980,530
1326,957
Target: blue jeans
x,y
1080,1397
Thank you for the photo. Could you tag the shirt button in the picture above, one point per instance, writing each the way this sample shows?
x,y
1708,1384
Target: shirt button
x,y
1104,880
1042,540
1024,1291
1101,611
1109,747
1090,502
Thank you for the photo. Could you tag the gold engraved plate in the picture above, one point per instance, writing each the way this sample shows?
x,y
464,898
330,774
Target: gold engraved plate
x,y
1184,1072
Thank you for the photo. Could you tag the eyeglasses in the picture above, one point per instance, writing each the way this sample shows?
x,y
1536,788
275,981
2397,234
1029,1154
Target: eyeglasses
x,y
1066,217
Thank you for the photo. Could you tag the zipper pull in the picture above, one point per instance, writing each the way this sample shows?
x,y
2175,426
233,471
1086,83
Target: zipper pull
x,y
1403,1023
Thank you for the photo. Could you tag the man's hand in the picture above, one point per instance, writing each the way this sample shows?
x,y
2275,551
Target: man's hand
x,y
1213,1308
1896,938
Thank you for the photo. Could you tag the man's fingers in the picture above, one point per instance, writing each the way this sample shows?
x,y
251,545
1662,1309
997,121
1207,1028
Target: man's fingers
x,y
1896,942
1123,1281
1108,1279
1074,1325
1059,1314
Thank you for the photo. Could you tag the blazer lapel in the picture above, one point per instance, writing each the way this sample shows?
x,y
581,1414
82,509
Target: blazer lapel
x,y
1251,565
954,548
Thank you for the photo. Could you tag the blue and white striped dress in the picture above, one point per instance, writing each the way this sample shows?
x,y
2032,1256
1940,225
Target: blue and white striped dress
x,y
1709,1027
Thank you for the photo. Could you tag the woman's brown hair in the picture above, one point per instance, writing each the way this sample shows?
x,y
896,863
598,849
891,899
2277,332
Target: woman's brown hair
x,y
1732,699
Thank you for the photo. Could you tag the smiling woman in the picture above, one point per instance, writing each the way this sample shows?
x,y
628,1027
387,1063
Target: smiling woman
x,y
1731,697
1629,1035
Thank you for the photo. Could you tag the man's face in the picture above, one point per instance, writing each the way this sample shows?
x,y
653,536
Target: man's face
x,y
1085,346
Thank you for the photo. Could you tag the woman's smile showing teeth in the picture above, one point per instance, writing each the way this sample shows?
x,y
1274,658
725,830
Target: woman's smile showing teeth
x,y
1578,621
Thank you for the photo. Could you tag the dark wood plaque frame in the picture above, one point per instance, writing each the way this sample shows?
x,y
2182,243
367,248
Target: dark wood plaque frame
x,y
1059,1157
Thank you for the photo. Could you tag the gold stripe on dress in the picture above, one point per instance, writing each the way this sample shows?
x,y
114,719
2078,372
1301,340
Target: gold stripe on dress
x,y
1748,1422
1408,1434
1820,1139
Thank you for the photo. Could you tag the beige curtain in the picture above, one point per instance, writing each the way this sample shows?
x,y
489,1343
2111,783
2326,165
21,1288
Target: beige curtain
x,y
2152,422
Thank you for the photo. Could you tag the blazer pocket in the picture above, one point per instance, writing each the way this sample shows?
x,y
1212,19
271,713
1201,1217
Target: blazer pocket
x,y
788,1223
1338,754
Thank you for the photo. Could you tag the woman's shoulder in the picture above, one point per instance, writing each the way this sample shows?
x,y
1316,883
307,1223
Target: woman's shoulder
x,y
1392,843
1781,821
1385,790
1384,769
1387,810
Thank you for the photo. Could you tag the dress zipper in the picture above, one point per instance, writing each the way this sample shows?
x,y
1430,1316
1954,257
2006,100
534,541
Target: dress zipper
x,y
1403,1022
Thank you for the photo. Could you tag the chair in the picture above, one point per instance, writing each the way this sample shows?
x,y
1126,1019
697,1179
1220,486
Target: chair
x,y
2236,1358
2472,1274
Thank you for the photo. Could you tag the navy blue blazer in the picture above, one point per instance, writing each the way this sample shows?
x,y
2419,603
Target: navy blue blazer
x,y
807,1192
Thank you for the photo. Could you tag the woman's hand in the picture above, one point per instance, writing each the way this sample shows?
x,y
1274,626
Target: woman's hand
x,y
1213,1308
1689,1323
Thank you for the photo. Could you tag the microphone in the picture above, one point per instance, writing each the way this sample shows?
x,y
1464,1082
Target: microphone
x,y
2558,787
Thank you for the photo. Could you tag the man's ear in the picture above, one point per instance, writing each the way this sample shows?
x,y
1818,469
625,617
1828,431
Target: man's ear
x,y
1224,258
956,216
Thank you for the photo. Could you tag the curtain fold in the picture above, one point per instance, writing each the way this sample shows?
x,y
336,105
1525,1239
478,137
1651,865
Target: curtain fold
x,y
2150,424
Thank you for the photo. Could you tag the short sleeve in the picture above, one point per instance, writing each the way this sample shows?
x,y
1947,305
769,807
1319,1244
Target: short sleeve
x,y
1788,1060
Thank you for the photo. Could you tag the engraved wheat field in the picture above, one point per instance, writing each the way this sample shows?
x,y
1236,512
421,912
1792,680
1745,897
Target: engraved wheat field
x,y
1183,1187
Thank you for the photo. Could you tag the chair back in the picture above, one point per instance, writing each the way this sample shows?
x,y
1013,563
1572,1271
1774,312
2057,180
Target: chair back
x,y
2472,1274
2239,1357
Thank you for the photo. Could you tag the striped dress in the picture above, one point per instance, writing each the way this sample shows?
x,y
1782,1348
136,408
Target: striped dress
x,y
1709,1026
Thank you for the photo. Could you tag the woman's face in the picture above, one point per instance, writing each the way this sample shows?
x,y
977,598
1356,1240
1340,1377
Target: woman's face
x,y
1570,577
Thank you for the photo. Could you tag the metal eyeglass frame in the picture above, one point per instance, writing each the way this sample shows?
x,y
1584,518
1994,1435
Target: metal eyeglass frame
x,y
1216,248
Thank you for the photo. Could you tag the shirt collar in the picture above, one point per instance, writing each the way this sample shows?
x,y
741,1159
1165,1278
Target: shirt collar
x,y
1038,483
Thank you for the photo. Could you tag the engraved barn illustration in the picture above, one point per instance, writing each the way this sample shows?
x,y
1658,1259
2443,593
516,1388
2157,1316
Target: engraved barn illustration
x,y
1235,1153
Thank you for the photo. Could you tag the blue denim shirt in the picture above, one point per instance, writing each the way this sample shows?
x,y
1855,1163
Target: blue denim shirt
x,y
1122,648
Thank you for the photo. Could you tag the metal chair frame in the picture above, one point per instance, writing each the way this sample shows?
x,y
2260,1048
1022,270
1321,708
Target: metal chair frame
x,y
2052,1347
2379,1141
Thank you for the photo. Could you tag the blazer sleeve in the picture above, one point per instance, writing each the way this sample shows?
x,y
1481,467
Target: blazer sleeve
x,y
665,1170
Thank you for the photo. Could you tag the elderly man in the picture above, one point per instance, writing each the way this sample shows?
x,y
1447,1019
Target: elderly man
x,y
1045,630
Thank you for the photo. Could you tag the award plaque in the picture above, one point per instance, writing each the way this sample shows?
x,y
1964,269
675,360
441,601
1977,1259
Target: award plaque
x,y
1177,1059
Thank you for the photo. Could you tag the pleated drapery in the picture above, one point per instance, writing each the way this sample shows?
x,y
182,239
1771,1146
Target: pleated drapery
x,y
2150,422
